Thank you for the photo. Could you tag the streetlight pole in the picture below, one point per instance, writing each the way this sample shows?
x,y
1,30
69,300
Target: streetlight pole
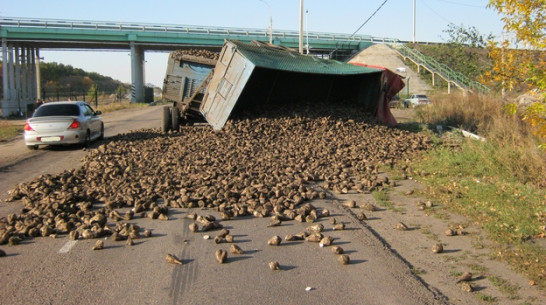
x,y
301,27
270,21
414,21
307,30
271,28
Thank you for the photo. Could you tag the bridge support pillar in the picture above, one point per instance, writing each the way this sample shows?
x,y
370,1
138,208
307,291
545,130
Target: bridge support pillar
x,y
18,91
433,79
37,74
11,102
19,81
137,73
32,84
448,87
5,85
31,78
24,81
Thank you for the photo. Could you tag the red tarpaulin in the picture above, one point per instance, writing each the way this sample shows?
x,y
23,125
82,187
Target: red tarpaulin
x,y
391,84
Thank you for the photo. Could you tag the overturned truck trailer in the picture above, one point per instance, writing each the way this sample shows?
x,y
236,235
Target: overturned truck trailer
x,y
186,71
259,74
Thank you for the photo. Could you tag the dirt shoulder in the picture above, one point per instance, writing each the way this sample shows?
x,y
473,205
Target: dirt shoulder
x,y
493,281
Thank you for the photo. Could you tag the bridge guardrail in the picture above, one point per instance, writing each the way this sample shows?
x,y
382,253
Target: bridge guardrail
x,y
152,27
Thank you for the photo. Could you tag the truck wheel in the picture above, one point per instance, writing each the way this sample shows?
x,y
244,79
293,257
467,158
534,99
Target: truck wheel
x,y
175,115
166,120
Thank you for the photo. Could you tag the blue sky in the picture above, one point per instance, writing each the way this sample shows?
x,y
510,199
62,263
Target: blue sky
x,y
393,20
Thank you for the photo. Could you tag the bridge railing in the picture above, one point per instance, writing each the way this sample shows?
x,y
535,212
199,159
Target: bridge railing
x,y
172,28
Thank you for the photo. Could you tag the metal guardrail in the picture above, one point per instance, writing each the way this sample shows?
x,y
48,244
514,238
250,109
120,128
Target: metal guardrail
x,y
444,71
171,28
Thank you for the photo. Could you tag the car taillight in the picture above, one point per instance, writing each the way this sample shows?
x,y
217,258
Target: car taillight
x,y
27,127
75,125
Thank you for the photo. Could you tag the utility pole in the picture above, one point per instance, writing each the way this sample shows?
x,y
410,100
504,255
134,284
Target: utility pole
x,y
307,30
301,26
414,17
270,21
270,28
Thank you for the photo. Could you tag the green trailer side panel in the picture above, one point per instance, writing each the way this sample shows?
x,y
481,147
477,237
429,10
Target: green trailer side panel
x,y
230,76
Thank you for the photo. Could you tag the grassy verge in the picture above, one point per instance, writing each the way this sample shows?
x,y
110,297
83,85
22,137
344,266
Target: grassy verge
x,y
512,213
505,287
9,130
119,106
498,183
382,198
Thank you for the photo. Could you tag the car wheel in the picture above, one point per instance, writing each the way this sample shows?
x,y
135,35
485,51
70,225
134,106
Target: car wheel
x,y
166,120
101,132
175,116
32,147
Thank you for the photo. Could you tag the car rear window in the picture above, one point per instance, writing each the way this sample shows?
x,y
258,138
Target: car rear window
x,y
57,110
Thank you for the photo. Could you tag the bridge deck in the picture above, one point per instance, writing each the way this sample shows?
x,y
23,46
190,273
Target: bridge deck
x,y
59,33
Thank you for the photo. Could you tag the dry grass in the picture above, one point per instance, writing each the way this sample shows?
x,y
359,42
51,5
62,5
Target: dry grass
x,y
118,106
9,130
512,146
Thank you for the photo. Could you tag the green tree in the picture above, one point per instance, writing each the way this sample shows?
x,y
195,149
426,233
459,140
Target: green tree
x,y
92,94
120,92
472,62
67,76
467,36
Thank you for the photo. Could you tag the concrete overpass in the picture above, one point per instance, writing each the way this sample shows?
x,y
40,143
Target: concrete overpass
x,y
22,39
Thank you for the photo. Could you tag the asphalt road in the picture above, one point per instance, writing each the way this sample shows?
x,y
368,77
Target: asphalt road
x,y
19,164
62,271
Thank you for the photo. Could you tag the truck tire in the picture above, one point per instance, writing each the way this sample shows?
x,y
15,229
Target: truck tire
x,y
175,118
166,120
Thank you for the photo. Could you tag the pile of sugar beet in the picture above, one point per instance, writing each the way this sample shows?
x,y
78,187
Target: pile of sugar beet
x,y
264,164
202,53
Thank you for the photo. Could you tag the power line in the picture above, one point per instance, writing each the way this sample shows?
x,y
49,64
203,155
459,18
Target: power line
x,y
432,10
461,4
442,17
369,17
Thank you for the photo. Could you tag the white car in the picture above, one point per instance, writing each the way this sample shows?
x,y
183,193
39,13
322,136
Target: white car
x,y
62,123
417,100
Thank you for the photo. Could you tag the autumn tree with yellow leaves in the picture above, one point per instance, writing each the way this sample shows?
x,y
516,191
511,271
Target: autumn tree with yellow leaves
x,y
525,67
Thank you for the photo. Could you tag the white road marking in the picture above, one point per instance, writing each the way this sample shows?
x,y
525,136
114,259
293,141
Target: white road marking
x,y
69,244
